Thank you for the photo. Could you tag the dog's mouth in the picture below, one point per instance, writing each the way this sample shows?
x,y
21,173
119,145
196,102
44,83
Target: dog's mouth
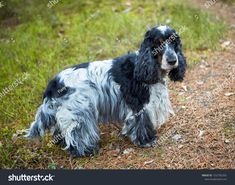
x,y
167,68
167,64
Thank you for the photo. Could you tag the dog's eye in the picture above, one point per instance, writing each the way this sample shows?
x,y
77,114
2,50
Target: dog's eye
x,y
173,42
158,41
161,40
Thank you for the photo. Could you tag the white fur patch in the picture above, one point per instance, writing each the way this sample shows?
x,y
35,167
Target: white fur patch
x,y
159,108
165,65
163,28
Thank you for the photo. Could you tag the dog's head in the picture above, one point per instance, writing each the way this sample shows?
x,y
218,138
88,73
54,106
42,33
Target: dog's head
x,y
160,54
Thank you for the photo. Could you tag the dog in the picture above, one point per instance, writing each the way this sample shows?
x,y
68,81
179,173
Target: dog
x,y
130,89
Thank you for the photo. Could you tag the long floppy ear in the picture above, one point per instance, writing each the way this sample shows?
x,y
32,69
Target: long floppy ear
x,y
146,67
178,73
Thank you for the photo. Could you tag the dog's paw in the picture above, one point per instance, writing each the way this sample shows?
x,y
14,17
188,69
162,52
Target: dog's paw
x,y
148,145
77,152
152,143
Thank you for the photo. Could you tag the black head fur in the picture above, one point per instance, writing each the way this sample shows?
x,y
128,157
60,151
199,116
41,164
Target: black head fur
x,y
148,66
147,69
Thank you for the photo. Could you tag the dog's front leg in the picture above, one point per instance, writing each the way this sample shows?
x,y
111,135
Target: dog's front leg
x,y
140,130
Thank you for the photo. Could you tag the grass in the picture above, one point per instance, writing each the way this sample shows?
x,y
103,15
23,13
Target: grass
x,y
42,41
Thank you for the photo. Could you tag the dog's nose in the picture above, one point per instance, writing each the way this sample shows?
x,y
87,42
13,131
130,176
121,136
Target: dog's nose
x,y
171,61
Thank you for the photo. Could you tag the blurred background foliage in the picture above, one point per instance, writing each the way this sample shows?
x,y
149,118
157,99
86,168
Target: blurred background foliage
x,y
42,37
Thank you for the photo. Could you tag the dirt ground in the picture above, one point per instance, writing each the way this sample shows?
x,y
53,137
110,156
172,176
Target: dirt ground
x,y
202,133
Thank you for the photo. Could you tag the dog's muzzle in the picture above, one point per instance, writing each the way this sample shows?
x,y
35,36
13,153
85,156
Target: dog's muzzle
x,y
169,59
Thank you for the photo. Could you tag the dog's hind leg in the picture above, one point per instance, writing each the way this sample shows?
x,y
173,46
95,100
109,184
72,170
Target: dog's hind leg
x,y
79,129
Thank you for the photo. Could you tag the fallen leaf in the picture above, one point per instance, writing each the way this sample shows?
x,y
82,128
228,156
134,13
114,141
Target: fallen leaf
x,y
201,133
229,94
184,87
199,82
177,137
225,44
148,162
202,66
226,141
127,10
14,137
128,150
180,146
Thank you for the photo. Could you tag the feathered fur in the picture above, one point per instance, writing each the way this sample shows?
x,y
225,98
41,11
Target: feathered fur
x,y
130,90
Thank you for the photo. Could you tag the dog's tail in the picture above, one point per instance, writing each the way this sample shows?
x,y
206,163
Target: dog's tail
x,y
44,120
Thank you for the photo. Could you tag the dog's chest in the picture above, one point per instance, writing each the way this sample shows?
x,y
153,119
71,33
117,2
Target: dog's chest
x,y
159,107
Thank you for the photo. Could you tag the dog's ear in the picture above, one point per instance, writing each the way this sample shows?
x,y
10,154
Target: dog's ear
x,y
178,73
146,67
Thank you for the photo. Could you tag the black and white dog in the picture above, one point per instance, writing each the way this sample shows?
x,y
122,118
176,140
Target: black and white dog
x,y
130,89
